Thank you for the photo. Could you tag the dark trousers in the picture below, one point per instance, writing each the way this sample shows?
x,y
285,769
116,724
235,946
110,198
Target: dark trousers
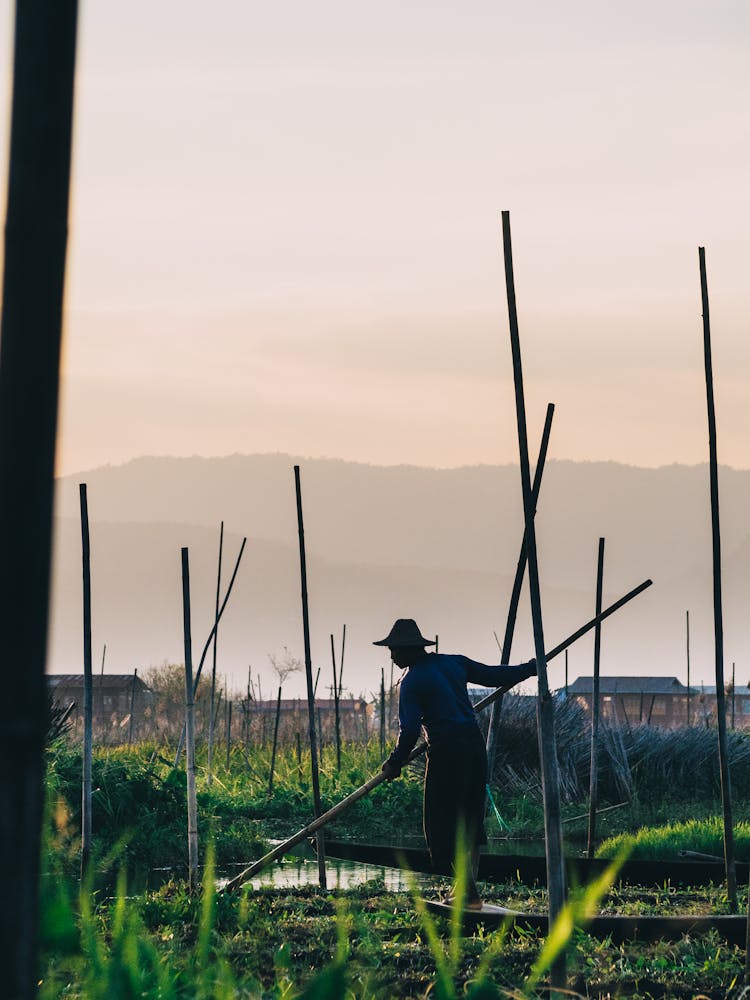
x,y
454,792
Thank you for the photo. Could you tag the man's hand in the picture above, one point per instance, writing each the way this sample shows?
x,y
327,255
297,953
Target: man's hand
x,y
390,770
531,667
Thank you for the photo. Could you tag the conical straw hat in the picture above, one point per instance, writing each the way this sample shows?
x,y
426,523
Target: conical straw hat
x,y
405,632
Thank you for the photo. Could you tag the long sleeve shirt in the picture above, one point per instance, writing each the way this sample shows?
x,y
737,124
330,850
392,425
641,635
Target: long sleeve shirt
x,y
433,694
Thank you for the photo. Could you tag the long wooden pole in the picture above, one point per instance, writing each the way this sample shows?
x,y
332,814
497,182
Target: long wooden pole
x,y
732,695
189,727
545,703
275,742
104,653
515,596
213,665
132,707
341,661
726,789
382,711
687,644
336,697
308,673
36,233
377,779
595,706
88,682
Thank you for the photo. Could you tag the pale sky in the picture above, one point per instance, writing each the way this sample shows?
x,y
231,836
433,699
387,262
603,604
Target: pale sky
x,y
285,228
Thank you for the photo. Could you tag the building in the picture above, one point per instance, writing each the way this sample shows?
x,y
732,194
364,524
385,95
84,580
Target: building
x,y
112,695
658,701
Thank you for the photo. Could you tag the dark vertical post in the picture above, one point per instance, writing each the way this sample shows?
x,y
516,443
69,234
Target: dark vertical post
x,y
341,661
336,696
566,673
275,741
382,711
213,666
515,596
32,296
640,711
687,643
595,706
189,727
320,841
104,653
88,682
132,707
437,643
732,695
545,707
726,789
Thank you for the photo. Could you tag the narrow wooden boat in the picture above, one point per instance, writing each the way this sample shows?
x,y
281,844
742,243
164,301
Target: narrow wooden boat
x,y
533,870
620,928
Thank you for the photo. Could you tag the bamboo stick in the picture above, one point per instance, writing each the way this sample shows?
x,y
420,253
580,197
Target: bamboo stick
x,y
104,653
308,673
192,805
336,707
687,643
515,595
213,665
566,673
275,741
382,712
32,296
341,661
229,726
88,682
132,707
726,788
732,695
377,779
545,705
595,707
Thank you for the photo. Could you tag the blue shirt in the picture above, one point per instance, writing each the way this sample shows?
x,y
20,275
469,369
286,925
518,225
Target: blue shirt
x,y
433,695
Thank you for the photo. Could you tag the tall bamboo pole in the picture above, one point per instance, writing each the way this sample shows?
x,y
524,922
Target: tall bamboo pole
x,y
132,706
593,764
515,595
213,665
275,742
104,653
726,789
189,727
732,695
382,711
687,644
320,840
336,697
566,673
32,297
341,661
545,704
88,682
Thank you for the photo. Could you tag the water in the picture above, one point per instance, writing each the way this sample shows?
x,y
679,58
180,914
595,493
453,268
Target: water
x,y
292,873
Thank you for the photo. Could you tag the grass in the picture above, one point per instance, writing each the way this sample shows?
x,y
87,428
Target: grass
x,y
665,842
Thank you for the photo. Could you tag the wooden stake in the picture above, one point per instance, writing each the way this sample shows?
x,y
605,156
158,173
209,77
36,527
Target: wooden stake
x,y
88,683
132,707
545,705
308,672
726,789
213,666
566,673
341,661
104,653
336,695
275,741
192,803
595,707
32,296
515,595
732,695
687,643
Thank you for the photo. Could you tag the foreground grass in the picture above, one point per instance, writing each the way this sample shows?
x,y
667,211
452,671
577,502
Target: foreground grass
x,y
364,943
703,835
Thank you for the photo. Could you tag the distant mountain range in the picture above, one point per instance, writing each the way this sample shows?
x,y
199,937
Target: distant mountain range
x,y
440,545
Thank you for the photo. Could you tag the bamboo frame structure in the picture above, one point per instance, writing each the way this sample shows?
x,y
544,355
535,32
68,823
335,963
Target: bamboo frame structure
x,y
36,230
210,762
88,683
316,824
721,720
192,805
515,595
595,708
308,673
545,706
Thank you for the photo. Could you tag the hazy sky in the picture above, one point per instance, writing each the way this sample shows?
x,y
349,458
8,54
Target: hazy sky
x,y
285,228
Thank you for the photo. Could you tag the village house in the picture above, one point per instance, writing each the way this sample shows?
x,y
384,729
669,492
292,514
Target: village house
x,y
111,694
659,701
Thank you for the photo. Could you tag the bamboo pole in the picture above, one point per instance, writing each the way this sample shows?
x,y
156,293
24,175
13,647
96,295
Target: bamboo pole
x,y
229,725
336,697
515,595
380,777
192,805
308,673
104,653
132,707
32,297
275,741
566,673
213,665
732,695
545,704
341,661
726,788
687,644
593,775
88,682
382,711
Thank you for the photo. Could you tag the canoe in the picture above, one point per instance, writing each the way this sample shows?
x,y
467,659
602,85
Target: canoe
x,y
620,928
533,870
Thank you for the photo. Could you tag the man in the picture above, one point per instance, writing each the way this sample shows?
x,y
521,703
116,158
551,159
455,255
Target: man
x,y
433,695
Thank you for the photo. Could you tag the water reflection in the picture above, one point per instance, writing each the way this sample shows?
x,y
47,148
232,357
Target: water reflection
x,y
292,873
